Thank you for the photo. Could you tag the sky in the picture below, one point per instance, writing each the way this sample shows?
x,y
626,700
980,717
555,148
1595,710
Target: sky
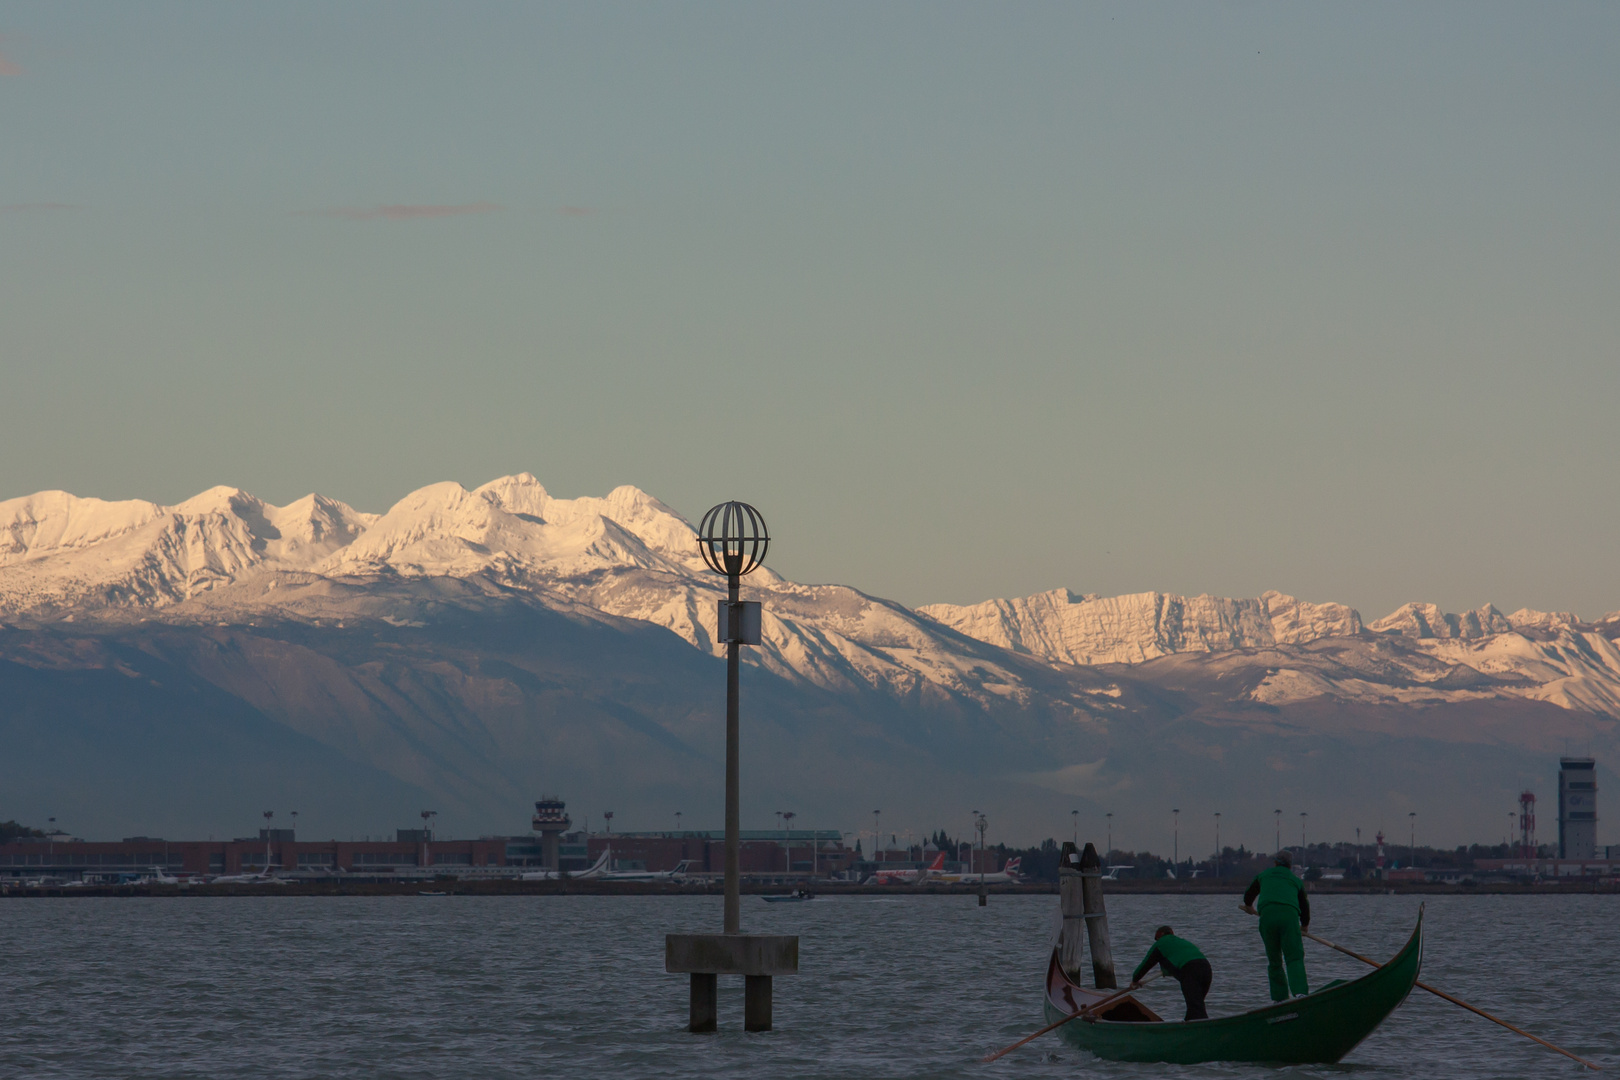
x,y
969,300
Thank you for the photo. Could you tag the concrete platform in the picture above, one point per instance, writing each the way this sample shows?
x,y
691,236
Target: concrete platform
x,y
705,957
731,954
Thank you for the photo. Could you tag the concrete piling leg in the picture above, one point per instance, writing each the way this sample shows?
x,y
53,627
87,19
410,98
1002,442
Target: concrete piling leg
x,y
757,1003
705,1004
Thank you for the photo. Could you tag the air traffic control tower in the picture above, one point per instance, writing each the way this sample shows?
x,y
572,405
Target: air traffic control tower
x,y
550,821
1577,808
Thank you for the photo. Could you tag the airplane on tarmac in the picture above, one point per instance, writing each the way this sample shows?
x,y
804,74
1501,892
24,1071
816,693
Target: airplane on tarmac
x,y
907,877
1113,871
649,875
595,870
263,877
1007,874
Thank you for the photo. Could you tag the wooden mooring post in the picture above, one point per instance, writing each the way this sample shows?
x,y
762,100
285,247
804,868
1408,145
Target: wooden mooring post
x,y
1072,904
1096,919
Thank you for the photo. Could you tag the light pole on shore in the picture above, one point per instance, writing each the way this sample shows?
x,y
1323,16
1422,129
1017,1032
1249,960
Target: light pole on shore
x,y
787,837
1175,838
981,824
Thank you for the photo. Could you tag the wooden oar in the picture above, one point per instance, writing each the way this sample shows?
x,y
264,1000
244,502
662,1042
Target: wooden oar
x,y
1457,1001
1093,1007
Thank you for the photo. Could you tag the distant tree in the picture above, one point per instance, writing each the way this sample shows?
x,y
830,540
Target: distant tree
x,y
10,830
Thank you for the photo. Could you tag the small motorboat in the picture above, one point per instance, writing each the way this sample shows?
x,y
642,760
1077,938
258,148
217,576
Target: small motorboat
x,y
797,897
1318,1028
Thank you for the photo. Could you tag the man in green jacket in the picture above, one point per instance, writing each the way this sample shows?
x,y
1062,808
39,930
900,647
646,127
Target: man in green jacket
x,y
1181,960
1284,912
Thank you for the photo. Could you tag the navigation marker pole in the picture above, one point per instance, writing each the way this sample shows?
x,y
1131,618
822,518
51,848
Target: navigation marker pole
x,y
732,540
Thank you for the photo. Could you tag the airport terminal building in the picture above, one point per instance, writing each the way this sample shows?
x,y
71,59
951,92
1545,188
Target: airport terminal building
x,y
415,852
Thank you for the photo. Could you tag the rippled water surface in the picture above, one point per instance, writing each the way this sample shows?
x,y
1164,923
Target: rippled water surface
x,y
574,986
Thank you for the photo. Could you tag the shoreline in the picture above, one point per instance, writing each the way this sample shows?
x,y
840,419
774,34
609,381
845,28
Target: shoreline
x,y
641,888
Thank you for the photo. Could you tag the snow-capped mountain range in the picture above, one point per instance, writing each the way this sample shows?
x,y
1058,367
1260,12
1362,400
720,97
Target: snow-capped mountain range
x,y
226,556
471,649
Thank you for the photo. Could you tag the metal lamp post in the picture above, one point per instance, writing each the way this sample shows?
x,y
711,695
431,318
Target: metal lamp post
x,y
1175,838
733,540
787,838
981,824
1217,845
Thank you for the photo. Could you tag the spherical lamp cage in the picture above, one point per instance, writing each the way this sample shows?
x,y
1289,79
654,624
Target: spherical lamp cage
x,y
733,539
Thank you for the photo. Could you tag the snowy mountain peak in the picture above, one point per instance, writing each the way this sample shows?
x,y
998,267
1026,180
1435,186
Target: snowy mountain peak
x,y
519,494
513,526
59,551
1419,620
1530,619
48,522
219,500
1091,629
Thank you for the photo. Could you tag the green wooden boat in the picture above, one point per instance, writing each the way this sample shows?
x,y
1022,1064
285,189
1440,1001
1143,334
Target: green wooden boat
x,y
1318,1028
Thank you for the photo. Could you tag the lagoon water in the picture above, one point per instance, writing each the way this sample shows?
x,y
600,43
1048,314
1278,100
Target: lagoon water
x,y
574,986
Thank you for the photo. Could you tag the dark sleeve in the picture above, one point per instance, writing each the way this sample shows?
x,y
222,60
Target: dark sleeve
x,y
1147,962
1304,908
1254,891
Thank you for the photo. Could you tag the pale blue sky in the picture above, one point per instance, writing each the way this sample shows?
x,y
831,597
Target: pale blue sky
x,y
984,300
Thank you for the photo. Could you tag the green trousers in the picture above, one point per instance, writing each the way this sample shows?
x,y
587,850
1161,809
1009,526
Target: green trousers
x,y
1279,929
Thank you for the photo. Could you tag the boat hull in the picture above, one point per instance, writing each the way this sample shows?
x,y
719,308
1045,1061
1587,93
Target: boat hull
x,y
1319,1028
